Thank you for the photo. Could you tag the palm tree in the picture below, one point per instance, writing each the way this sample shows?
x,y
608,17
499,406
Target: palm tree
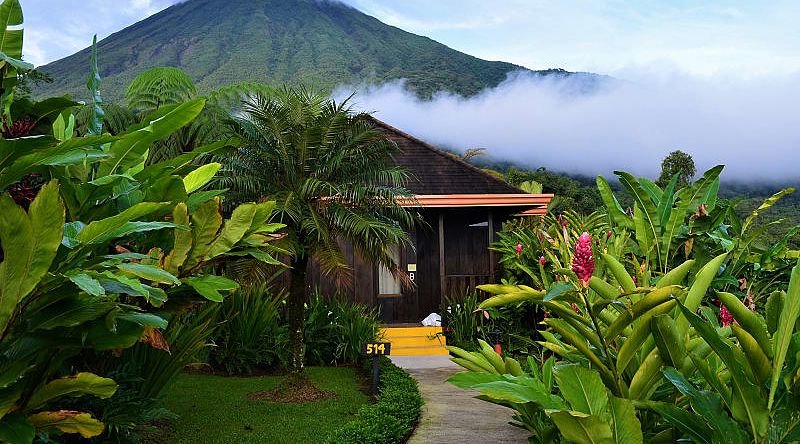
x,y
331,173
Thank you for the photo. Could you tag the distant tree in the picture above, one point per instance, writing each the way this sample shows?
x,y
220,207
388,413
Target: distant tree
x,y
680,163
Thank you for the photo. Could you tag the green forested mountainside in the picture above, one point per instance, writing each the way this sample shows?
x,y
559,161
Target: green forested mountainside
x,y
324,44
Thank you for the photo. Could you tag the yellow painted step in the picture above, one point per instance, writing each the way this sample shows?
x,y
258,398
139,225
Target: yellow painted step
x,y
416,341
410,331
418,351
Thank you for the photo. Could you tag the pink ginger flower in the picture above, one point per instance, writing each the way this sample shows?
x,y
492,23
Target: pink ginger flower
x,y
542,260
608,235
583,261
725,316
519,249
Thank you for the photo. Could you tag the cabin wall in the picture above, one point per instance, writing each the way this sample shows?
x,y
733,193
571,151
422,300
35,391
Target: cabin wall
x,y
468,262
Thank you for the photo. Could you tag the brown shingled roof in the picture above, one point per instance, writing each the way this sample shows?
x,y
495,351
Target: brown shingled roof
x,y
434,171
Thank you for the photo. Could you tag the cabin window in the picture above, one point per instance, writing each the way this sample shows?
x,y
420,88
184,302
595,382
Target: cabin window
x,y
388,285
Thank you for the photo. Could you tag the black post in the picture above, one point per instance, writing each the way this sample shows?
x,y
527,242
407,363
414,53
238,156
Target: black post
x,y
376,374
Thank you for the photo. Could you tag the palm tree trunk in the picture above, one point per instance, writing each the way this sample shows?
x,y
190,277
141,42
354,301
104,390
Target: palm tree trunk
x,y
296,313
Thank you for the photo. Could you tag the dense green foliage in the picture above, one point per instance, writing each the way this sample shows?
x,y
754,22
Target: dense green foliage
x,y
625,326
319,43
392,418
252,333
215,409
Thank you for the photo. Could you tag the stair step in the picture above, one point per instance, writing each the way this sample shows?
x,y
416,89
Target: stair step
x,y
418,351
402,341
410,331
415,341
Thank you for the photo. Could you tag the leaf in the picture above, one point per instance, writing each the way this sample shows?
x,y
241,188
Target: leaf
x,y
30,241
206,222
182,243
687,422
766,205
103,230
149,273
709,406
128,151
614,209
783,335
209,286
625,426
144,319
556,290
76,385
85,282
233,230
518,392
669,342
95,125
702,281
648,208
16,429
580,428
200,177
753,408
68,421
69,311
582,388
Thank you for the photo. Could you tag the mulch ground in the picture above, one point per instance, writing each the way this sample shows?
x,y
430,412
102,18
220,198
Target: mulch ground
x,y
293,392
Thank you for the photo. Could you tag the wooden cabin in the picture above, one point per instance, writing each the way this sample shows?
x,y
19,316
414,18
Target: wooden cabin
x,y
464,207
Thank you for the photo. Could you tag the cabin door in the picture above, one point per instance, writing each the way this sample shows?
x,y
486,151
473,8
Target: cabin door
x,y
397,297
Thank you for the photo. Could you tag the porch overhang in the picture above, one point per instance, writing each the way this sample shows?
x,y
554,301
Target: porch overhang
x,y
528,204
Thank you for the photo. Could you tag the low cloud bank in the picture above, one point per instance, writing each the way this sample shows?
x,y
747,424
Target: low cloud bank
x,y
752,126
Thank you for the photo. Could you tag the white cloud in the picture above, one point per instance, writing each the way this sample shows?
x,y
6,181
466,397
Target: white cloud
x,y
749,125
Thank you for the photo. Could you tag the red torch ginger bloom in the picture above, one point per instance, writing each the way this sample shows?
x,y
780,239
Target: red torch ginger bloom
x,y
583,261
542,260
519,249
725,316
608,235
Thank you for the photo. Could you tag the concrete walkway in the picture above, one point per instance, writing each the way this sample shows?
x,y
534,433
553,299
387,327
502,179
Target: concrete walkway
x,y
451,415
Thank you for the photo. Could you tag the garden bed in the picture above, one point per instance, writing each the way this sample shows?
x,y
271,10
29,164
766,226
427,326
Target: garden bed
x,y
392,418
216,409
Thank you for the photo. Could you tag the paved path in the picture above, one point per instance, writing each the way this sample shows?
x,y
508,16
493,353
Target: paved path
x,y
450,414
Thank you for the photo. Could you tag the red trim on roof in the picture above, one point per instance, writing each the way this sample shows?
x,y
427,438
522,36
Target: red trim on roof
x,y
479,200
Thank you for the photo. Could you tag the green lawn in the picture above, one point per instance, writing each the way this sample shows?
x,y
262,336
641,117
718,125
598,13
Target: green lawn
x,y
214,409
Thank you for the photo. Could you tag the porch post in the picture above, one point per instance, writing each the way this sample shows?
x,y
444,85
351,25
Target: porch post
x,y
491,253
442,280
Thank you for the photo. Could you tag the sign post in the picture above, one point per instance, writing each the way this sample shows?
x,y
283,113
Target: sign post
x,y
376,350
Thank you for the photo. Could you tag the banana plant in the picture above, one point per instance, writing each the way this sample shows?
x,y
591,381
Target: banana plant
x,y
659,215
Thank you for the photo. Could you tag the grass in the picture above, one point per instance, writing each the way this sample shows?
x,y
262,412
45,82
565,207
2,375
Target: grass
x,y
215,410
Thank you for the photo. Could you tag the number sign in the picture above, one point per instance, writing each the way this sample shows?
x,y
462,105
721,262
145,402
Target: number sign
x,y
376,348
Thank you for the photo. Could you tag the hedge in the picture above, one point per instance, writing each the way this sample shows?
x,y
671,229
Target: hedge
x,y
392,418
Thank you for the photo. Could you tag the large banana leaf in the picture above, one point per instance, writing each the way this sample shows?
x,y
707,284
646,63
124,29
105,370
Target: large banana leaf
x,y
30,241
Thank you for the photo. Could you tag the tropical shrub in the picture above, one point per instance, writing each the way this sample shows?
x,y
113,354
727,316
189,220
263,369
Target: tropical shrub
x,y
252,333
514,326
335,329
392,418
78,279
631,317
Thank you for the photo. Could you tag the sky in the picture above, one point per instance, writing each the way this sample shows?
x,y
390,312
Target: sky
x,y
712,37
718,79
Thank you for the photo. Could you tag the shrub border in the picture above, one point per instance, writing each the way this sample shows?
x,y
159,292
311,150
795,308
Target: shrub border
x,y
390,420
